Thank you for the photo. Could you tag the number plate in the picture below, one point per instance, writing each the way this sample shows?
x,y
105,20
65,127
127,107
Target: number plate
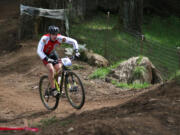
x,y
66,61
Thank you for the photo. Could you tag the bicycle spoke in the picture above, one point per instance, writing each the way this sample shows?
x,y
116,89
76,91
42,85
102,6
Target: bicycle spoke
x,y
75,91
49,101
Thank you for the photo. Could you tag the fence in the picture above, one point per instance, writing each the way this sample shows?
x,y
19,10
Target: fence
x,y
101,35
166,58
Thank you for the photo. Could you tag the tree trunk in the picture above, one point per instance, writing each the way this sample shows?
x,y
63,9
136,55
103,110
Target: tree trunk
x,y
162,7
77,9
133,15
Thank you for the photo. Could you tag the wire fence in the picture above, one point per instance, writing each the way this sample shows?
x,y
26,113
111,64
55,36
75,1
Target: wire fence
x,y
102,36
166,58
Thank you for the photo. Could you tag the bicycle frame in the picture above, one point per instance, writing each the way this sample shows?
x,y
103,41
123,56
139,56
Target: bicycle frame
x,y
59,87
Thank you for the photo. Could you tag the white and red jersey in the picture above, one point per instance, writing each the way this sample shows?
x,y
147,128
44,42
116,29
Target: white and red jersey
x,y
46,46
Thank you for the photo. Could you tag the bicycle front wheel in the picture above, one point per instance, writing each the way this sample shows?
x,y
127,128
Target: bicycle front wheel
x,y
74,90
48,101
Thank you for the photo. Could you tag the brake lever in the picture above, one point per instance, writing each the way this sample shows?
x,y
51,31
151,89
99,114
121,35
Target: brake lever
x,y
73,57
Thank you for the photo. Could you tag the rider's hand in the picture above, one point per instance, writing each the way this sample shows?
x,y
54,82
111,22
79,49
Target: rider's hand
x,y
49,60
77,54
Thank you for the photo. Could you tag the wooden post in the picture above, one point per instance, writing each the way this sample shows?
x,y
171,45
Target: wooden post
x,y
142,39
105,47
25,122
36,27
178,49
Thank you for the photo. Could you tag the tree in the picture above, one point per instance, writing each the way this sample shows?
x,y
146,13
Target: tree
x,y
131,14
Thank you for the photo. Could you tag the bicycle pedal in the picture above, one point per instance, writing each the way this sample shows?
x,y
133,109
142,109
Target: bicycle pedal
x,y
55,93
73,89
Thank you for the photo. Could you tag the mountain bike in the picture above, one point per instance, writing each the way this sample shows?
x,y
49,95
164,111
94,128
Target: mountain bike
x,y
67,79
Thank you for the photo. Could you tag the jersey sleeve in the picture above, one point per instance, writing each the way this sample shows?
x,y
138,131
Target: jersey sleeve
x,y
68,40
40,48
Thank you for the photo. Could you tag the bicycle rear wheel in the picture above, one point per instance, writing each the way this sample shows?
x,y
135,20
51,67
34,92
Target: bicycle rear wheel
x,y
48,101
74,90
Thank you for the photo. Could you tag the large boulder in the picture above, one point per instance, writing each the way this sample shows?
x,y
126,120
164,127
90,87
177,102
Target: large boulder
x,y
95,59
89,56
136,70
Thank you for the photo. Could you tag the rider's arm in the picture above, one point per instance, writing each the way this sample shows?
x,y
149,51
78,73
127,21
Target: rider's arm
x,y
40,48
68,40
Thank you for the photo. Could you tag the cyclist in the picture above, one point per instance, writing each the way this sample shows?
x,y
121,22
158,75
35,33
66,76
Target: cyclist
x,y
50,58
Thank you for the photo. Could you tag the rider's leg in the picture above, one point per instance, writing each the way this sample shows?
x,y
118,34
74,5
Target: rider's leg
x,y
51,74
58,67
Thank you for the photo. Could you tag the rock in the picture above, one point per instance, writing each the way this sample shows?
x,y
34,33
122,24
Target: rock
x,y
89,57
93,58
35,87
170,120
69,51
136,70
96,59
70,129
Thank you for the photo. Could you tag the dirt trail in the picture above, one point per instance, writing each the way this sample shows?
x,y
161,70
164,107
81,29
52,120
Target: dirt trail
x,y
156,112
19,97
20,72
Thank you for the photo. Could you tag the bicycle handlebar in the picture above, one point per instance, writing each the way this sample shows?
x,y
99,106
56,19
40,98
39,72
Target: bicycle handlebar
x,y
57,61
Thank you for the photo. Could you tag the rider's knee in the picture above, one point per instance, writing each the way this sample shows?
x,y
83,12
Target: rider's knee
x,y
58,67
51,70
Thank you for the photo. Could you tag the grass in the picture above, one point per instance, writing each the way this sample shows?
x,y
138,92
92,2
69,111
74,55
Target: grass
x,y
139,59
101,73
76,67
176,75
138,71
49,121
101,36
130,86
65,122
163,30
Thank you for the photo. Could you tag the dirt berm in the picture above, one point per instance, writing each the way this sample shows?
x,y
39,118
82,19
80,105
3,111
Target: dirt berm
x,y
156,112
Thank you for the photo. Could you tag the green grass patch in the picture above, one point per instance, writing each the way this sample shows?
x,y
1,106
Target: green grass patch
x,y
139,59
130,86
138,71
47,122
65,122
101,73
63,45
176,75
164,30
76,67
